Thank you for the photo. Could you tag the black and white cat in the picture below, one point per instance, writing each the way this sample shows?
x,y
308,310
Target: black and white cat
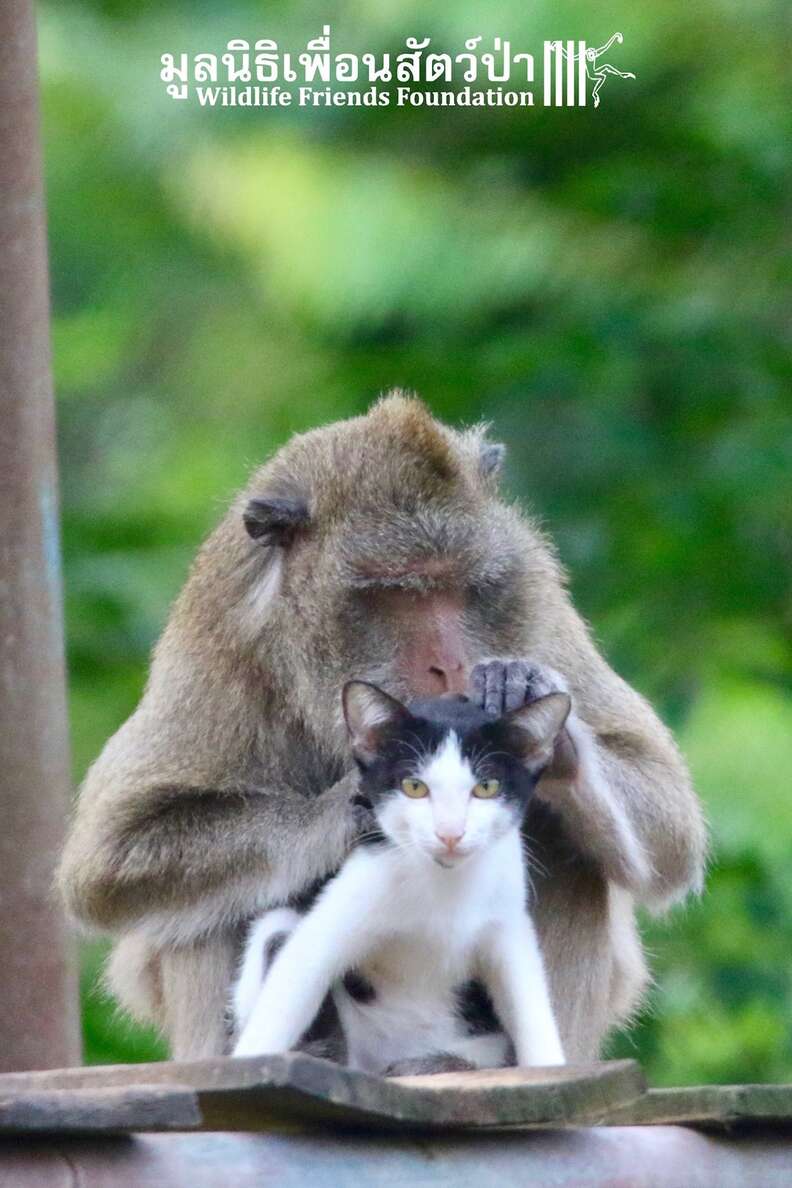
x,y
423,937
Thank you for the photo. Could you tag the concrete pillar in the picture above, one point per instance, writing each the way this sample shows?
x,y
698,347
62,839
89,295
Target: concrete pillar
x,y
38,995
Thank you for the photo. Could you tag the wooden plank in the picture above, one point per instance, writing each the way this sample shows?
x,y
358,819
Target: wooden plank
x,y
90,1111
717,1105
521,1096
259,1093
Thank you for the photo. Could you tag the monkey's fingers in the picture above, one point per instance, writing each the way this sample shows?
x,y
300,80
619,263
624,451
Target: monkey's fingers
x,y
502,685
478,685
517,684
494,687
367,827
542,681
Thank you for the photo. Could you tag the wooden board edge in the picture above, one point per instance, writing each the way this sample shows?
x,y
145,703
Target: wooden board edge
x,y
119,1110
320,1090
262,1093
718,1105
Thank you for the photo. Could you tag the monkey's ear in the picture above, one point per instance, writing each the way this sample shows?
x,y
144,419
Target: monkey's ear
x,y
539,723
275,521
368,712
491,458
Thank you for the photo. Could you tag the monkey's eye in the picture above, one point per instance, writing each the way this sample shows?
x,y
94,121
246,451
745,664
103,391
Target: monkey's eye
x,y
415,789
487,789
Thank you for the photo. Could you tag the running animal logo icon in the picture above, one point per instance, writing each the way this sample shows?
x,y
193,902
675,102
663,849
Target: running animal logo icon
x,y
596,71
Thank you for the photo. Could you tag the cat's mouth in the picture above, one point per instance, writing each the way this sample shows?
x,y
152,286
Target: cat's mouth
x,y
449,861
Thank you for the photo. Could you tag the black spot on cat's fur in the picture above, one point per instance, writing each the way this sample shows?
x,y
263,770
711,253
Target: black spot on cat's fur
x,y
358,987
273,946
475,1009
306,898
325,1036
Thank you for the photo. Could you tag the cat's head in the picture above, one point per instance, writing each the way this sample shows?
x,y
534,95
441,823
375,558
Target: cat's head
x,y
443,777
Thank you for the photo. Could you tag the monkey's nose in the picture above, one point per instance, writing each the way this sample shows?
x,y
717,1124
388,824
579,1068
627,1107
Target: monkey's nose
x,y
449,840
447,679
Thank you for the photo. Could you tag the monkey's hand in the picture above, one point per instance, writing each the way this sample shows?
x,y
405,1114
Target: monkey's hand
x,y
499,686
358,813
366,824
574,782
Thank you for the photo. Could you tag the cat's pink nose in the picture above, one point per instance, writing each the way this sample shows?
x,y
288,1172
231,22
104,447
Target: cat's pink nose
x,y
449,840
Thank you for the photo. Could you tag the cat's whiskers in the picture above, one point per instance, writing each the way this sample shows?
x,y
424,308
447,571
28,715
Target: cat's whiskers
x,y
532,866
475,758
405,844
368,835
498,754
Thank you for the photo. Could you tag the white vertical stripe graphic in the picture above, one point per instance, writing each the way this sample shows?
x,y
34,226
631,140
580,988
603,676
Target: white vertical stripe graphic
x,y
565,76
570,73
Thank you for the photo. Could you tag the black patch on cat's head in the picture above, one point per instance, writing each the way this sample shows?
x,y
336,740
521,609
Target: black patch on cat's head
x,y
517,748
398,755
391,740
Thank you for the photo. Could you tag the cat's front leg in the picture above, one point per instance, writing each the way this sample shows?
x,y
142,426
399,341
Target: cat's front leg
x,y
266,938
514,974
335,934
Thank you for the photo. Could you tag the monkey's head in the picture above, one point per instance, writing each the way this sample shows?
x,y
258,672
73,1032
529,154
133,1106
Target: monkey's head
x,y
379,548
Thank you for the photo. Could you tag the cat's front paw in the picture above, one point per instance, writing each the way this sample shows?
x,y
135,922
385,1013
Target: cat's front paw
x,y
498,686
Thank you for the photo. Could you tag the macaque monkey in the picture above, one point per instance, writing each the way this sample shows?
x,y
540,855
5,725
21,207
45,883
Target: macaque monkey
x,y
376,549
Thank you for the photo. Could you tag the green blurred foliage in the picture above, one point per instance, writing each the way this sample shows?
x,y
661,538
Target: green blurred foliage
x,y
610,288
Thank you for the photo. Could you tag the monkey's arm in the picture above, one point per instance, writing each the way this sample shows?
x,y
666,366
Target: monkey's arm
x,y
596,817
626,795
186,859
644,777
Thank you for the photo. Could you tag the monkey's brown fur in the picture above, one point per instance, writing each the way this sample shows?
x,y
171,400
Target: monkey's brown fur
x,y
226,790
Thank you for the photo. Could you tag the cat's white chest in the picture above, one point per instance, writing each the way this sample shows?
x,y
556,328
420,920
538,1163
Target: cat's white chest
x,y
414,1008
431,930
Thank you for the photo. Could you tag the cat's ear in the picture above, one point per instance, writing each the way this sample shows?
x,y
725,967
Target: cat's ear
x,y
537,726
369,712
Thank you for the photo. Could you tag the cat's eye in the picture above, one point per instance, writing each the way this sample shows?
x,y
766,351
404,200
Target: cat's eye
x,y
486,789
415,789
